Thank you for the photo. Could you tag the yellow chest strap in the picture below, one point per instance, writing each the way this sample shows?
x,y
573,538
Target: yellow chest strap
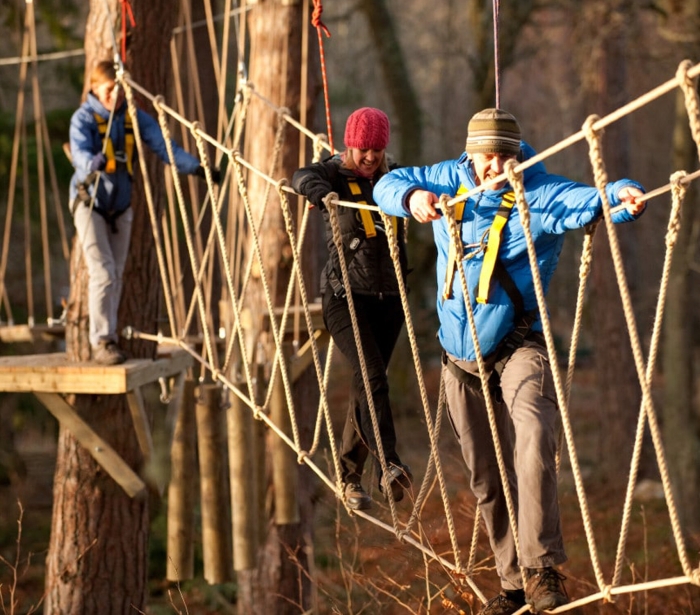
x,y
366,214
111,165
452,252
493,245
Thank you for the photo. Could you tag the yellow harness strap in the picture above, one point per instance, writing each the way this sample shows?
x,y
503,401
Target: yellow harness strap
x,y
111,165
493,245
366,214
452,252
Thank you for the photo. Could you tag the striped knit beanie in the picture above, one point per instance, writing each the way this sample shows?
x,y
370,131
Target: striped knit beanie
x,y
367,128
493,131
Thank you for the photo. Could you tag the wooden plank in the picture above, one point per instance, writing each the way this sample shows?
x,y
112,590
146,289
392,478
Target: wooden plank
x,y
103,453
53,373
10,334
141,425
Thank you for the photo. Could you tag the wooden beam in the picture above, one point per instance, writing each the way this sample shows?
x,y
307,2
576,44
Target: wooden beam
x,y
141,425
103,453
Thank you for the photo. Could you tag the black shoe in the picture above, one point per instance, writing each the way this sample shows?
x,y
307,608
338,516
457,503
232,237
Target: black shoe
x,y
544,589
398,477
356,497
506,603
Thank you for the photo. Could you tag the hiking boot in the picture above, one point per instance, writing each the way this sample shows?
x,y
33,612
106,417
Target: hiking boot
x,y
108,353
356,497
398,477
544,589
506,603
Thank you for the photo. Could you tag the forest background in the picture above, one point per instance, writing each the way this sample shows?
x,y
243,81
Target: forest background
x,y
431,67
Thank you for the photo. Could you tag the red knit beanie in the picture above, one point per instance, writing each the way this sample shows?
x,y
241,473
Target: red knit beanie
x,y
367,128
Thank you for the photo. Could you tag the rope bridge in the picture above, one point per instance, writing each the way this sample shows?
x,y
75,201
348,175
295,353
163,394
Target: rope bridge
x,y
407,530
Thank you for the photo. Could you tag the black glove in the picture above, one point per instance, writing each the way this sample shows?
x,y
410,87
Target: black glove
x,y
215,174
98,162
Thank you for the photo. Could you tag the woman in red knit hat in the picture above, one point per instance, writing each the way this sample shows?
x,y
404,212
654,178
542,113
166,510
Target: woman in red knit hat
x,y
351,176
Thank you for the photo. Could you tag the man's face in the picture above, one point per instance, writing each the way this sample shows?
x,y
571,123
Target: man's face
x,y
488,166
107,94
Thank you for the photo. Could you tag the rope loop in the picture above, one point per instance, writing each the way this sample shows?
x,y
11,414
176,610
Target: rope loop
x,y
302,457
588,128
158,101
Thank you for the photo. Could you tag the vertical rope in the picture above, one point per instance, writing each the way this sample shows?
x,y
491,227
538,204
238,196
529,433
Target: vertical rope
x,y
496,68
321,29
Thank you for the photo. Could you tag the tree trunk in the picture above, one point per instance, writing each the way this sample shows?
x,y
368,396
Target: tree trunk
x,y
98,553
280,584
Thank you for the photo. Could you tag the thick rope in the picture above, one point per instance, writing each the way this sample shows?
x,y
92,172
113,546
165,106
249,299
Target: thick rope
x,y
516,182
674,224
601,181
338,241
456,239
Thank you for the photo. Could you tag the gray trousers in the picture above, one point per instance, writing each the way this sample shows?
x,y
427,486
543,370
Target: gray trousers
x,y
105,255
527,421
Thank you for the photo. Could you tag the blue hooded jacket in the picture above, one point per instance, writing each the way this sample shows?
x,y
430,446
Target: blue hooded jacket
x,y
556,205
114,189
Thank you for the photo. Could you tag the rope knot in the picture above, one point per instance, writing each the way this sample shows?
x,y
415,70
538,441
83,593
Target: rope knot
x,y
695,577
302,457
158,101
316,18
607,594
588,128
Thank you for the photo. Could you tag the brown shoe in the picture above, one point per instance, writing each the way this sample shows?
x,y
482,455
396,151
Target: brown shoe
x,y
506,603
544,589
108,353
398,477
356,497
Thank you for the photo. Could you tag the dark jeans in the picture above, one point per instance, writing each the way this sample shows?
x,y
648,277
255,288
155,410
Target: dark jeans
x,y
379,322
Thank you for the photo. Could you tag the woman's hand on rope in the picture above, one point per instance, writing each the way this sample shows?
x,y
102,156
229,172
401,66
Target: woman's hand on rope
x,y
421,205
630,199
331,196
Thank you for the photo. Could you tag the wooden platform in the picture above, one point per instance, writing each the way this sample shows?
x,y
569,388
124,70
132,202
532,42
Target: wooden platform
x,y
51,376
53,373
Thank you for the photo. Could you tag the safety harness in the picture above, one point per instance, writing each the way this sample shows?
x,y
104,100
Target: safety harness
x,y
492,267
114,159
369,229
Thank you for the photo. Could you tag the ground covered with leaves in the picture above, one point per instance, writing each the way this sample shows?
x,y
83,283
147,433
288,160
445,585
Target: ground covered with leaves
x,y
360,567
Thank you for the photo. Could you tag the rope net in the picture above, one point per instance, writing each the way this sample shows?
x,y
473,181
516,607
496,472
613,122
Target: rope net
x,y
234,242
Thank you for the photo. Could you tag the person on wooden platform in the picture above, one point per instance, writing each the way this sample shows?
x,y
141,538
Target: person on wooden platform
x,y
103,153
503,300
350,176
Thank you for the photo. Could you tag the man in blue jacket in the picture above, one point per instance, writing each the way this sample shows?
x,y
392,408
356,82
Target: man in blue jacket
x,y
100,196
508,327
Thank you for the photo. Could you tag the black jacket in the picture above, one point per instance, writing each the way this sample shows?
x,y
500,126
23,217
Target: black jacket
x,y
370,268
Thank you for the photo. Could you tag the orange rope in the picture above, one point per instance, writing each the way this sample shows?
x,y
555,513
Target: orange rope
x,y
320,27
127,14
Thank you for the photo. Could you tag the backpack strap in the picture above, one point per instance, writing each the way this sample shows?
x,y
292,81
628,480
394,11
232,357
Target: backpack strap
x,y
451,267
110,154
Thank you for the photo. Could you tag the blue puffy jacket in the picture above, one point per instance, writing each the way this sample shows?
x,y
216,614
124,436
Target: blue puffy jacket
x,y
556,205
114,189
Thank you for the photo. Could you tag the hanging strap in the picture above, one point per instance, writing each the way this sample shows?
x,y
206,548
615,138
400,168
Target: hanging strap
x,y
494,243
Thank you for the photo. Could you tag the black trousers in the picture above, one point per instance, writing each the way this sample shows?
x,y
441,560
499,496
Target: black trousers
x,y
379,322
